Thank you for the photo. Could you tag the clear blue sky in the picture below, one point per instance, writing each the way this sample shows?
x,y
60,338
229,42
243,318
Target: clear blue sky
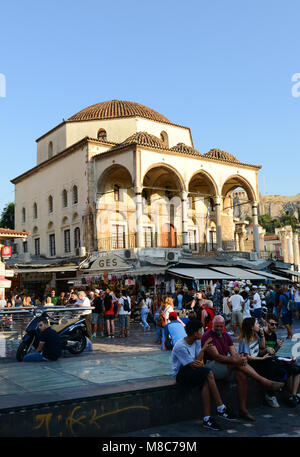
x,y
223,68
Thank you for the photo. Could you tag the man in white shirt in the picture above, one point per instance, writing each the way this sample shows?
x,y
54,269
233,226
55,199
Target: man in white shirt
x,y
83,300
124,310
256,303
236,305
297,301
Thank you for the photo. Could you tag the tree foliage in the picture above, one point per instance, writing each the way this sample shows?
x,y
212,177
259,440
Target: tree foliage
x,y
270,224
7,218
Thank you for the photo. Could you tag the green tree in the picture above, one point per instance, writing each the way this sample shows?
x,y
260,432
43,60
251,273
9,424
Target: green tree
x,y
7,218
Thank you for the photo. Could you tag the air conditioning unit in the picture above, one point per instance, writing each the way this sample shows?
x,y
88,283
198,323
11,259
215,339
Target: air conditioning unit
x,y
80,252
129,254
172,256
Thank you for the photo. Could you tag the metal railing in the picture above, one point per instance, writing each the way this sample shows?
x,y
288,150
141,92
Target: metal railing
x,y
14,320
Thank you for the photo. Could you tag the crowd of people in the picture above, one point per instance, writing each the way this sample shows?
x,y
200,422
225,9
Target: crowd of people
x,y
199,327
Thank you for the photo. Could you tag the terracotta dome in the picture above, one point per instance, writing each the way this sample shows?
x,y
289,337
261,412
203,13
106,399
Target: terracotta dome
x,y
116,109
221,155
143,139
181,147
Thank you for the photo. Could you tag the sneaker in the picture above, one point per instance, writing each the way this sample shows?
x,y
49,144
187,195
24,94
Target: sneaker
x,y
211,424
102,335
230,333
292,401
272,401
112,336
228,415
94,335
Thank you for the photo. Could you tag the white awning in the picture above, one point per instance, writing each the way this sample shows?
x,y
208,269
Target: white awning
x,y
199,273
269,275
45,270
238,273
150,270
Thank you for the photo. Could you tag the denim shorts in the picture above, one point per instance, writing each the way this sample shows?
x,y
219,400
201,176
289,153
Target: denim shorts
x,y
287,318
124,320
96,318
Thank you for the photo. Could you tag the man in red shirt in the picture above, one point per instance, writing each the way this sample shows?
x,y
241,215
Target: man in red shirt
x,y
223,359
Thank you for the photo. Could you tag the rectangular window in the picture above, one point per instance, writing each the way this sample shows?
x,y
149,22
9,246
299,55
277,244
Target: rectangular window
x,y
148,237
67,243
213,240
192,240
77,238
118,236
25,246
37,246
52,245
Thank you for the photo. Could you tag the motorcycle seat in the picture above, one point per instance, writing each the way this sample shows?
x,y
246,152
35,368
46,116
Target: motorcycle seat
x,y
63,324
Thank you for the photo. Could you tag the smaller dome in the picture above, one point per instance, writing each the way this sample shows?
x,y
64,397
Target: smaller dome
x,y
218,154
143,139
181,147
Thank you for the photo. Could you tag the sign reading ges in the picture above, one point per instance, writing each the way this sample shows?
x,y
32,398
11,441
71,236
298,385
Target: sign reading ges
x,y
6,251
108,262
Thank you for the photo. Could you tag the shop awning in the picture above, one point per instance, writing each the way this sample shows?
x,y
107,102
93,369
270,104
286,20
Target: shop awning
x,y
268,275
238,273
150,270
199,273
290,272
45,269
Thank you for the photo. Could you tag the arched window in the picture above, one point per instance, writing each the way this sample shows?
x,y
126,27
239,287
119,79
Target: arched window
x,y
35,212
65,198
75,195
77,238
116,193
164,138
50,150
101,135
23,215
50,204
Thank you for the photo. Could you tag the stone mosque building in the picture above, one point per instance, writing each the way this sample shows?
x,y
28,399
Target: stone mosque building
x,y
120,176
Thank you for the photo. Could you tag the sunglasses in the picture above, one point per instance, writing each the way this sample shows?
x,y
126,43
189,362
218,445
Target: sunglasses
x,y
273,324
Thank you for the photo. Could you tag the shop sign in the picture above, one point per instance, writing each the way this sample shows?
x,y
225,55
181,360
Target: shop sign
x,y
108,262
6,252
129,282
5,283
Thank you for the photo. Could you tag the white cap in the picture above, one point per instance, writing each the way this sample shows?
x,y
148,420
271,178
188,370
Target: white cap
x,y
97,291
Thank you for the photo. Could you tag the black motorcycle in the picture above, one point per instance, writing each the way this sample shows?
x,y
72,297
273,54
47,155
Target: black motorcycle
x,y
72,332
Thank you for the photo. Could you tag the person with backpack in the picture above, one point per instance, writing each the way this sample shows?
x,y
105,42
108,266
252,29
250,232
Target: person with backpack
x,y
285,310
109,314
207,315
123,312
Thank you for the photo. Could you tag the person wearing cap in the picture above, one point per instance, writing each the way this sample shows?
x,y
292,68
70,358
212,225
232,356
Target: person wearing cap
x,y
97,313
236,304
172,332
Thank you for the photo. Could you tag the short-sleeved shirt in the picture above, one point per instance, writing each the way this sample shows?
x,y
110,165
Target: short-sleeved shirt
x,y
236,301
222,343
251,348
122,311
285,297
175,330
271,340
184,354
52,344
257,298
98,305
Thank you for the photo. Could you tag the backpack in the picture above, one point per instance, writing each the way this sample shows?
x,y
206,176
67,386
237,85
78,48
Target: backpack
x,y
162,320
107,303
289,301
126,305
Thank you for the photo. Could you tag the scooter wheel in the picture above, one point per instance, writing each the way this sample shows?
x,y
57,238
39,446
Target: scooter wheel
x,y
22,351
81,338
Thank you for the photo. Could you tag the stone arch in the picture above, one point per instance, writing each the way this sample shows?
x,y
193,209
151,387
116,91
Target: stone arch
x,y
166,167
235,181
205,182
